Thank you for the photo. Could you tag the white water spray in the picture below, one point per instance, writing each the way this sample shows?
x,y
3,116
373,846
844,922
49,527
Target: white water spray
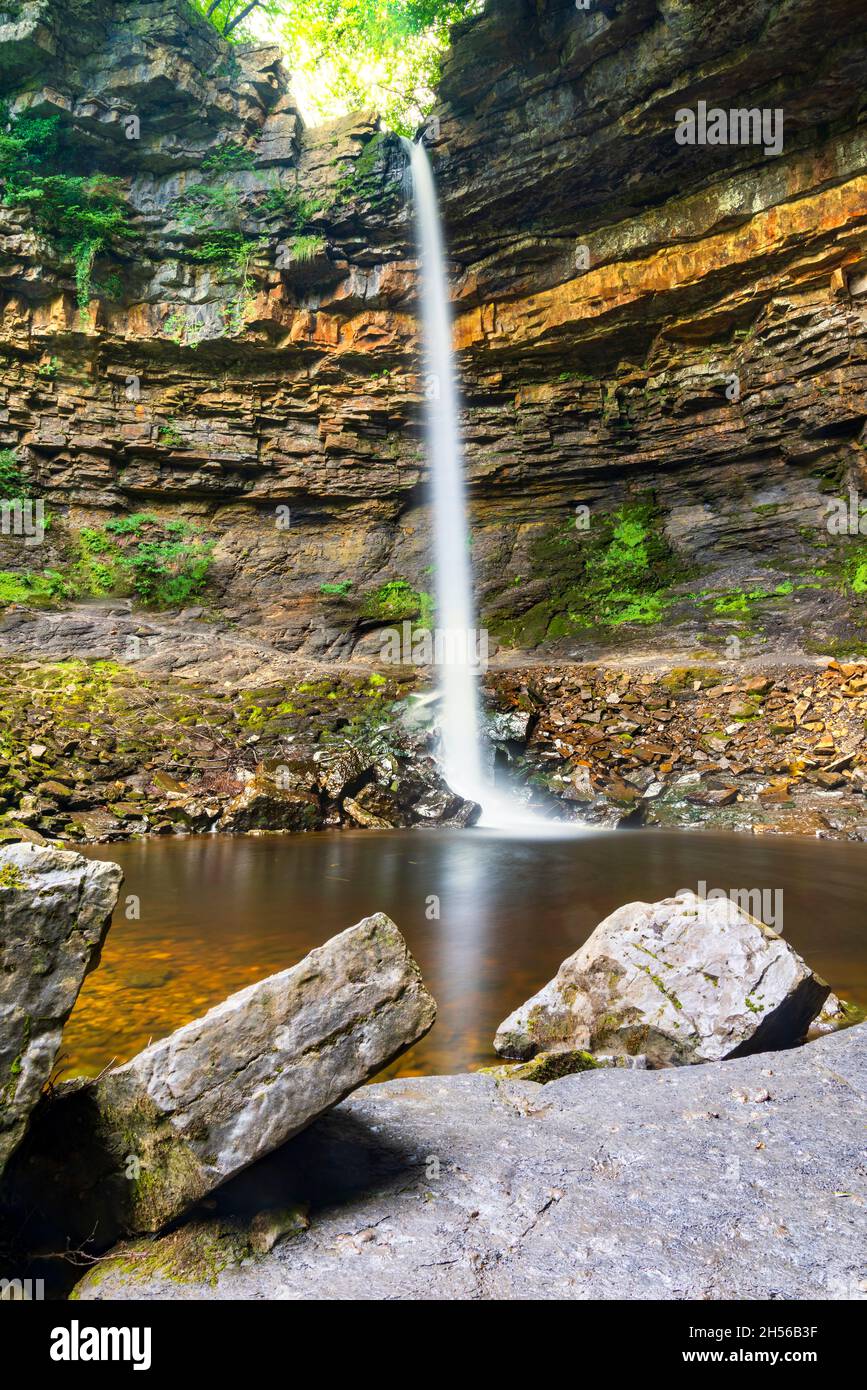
x,y
458,673
457,678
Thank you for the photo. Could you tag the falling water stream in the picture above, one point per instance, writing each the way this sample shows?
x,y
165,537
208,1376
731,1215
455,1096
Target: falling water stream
x,y
454,581
458,645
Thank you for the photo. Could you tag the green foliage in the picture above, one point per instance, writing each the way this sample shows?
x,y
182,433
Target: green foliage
x,y
182,328
163,563
370,732
858,580
32,588
12,483
205,205
228,16
83,216
855,568
298,210
170,436
360,181
307,248
398,600
97,572
216,199
617,572
382,53
633,568
213,209
131,525
347,54
11,877
336,590
741,602
227,158
168,573
225,248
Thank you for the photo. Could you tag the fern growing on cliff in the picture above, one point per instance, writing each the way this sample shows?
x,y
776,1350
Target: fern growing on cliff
x,y
212,208
216,199
83,216
12,484
163,564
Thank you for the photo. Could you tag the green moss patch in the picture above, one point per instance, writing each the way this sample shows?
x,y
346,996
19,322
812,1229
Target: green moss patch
x,y
397,601
618,571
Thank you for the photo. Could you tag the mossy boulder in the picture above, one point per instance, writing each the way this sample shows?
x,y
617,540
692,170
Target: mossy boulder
x,y
132,1151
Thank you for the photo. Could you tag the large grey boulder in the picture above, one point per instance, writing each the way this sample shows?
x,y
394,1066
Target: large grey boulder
x,y
133,1150
684,980
734,1180
55,909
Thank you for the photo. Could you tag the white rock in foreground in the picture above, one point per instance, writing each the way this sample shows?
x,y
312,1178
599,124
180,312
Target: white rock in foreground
x,y
55,909
683,980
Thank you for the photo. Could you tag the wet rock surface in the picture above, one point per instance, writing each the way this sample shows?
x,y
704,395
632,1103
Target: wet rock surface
x,y
55,910
145,1141
97,748
740,1179
680,981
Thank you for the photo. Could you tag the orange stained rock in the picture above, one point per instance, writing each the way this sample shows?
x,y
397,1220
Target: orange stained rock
x,y
54,315
377,328
311,327
675,268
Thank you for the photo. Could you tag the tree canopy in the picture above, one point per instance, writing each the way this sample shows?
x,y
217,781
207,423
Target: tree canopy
x,y
346,54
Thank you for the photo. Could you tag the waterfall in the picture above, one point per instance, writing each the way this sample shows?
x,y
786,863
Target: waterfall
x,y
458,645
457,672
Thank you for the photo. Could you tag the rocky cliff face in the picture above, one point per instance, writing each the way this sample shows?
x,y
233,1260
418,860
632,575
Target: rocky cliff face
x,y
218,390
589,386
610,286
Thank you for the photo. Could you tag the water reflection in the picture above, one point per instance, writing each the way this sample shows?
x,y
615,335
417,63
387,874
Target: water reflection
x,y
488,916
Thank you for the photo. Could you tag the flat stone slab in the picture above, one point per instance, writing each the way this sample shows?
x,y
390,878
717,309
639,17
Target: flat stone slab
x,y
55,910
742,1179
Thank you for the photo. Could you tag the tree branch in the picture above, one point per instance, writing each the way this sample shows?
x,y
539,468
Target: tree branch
x,y
242,16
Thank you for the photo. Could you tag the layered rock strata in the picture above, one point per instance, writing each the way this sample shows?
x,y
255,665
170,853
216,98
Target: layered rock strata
x,y
594,380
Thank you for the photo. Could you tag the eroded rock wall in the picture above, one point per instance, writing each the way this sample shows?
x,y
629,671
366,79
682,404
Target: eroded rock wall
x,y
589,385
598,387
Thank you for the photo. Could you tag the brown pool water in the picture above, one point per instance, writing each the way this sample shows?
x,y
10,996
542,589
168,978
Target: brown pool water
x,y
219,912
